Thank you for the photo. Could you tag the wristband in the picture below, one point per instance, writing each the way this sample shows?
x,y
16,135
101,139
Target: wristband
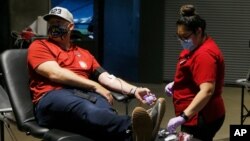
x,y
133,90
184,116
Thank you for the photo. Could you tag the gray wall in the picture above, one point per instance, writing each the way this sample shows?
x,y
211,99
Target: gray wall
x,y
23,13
227,23
17,16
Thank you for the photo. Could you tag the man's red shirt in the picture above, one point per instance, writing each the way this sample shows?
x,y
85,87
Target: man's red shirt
x,y
75,59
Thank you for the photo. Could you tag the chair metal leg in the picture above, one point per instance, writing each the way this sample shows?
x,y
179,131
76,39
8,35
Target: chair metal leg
x,y
242,104
1,130
126,108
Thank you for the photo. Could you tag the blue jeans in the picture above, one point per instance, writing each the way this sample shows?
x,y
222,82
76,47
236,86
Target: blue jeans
x,y
64,110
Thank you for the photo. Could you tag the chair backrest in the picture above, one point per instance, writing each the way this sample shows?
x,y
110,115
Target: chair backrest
x,y
16,78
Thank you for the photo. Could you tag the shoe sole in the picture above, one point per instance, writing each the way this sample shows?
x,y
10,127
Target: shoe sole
x,y
142,125
161,112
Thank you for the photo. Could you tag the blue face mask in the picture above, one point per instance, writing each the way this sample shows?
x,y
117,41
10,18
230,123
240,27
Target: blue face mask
x,y
188,44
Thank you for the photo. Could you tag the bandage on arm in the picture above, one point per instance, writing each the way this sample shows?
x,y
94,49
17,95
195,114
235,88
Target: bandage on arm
x,y
116,84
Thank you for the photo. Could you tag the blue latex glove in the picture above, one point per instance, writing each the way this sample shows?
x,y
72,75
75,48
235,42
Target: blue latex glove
x,y
169,89
174,123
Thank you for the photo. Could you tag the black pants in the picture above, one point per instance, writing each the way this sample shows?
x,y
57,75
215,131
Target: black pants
x,y
203,131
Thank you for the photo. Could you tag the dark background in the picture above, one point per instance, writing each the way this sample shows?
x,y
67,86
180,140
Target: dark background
x,y
129,34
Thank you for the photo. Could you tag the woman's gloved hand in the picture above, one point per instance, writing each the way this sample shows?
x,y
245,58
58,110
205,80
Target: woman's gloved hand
x,y
169,89
174,123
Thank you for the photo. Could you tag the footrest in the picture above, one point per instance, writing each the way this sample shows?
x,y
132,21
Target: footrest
x,y
59,135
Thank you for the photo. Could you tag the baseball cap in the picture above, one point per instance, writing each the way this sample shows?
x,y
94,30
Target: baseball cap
x,y
59,12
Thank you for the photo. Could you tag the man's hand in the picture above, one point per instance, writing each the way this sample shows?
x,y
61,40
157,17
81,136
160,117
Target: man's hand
x,y
104,92
109,97
174,123
141,92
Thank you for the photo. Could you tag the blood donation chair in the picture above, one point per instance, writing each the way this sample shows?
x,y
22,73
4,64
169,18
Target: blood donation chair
x,y
15,83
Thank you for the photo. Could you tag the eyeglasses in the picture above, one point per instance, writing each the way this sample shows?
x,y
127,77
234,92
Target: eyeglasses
x,y
183,38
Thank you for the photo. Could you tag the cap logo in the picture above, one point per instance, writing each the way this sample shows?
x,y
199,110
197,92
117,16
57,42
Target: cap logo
x,y
60,12
56,11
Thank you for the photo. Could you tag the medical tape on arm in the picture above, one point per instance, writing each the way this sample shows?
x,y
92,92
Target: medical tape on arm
x,y
111,81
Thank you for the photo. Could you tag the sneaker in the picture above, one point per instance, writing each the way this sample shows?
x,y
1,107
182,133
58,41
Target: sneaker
x,y
142,125
156,113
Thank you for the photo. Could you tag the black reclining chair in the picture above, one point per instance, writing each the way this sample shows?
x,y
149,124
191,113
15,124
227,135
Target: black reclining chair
x,y
15,74
5,112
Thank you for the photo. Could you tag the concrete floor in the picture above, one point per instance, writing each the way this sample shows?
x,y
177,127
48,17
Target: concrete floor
x,y
231,95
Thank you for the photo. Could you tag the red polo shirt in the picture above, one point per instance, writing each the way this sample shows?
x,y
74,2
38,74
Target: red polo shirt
x,y
75,59
205,64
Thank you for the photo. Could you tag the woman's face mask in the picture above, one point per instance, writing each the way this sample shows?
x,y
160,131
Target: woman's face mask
x,y
186,40
57,30
187,44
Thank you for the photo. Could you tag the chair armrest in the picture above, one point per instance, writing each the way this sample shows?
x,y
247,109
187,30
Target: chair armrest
x,y
121,97
4,101
32,128
243,82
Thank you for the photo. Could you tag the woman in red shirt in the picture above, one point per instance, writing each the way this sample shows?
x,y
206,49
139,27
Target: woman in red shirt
x,y
198,81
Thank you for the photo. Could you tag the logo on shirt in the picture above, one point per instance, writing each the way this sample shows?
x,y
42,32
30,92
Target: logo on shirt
x,y
83,64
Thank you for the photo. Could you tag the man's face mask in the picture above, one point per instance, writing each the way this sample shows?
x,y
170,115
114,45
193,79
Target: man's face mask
x,y
57,30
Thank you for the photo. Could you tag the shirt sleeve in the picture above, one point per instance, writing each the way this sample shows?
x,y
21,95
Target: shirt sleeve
x,y
204,68
38,53
95,65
